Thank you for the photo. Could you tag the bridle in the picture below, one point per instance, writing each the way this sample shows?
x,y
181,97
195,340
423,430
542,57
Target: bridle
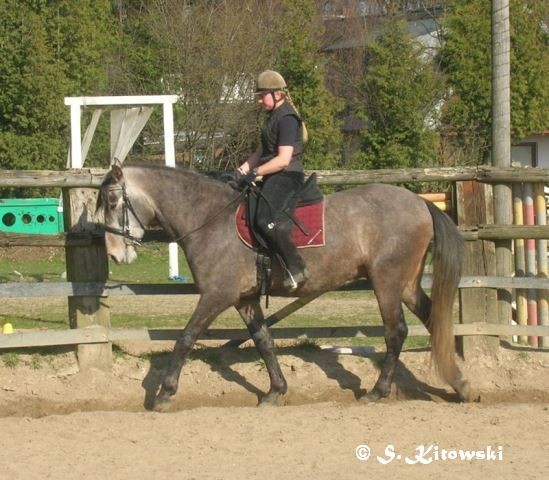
x,y
129,239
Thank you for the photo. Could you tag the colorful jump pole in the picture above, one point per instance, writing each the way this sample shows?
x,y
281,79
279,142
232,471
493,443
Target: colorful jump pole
x,y
530,249
541,247
520,264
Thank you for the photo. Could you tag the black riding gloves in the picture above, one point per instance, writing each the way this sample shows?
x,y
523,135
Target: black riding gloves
x,y
246,180
237,180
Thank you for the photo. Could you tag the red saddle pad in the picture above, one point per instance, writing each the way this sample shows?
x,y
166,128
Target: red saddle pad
x,y
310,216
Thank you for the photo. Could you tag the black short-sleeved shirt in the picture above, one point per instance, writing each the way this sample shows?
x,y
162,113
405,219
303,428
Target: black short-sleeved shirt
x,y
282,127
288,131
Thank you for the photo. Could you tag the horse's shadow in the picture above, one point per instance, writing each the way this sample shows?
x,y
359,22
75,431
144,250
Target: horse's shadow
x,y
222,361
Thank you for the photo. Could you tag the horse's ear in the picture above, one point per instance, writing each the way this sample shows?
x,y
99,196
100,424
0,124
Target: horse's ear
x,y
117,162
116,173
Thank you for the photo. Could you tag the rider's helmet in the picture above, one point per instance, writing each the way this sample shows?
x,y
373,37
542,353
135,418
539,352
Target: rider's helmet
x,y
270,81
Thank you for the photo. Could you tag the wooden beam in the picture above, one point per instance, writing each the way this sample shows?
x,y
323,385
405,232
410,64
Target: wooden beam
x,y
85,177
82,239
100,335
105,289
76,239
92,177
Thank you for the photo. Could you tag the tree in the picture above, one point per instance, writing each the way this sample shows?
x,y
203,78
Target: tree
x,y
299,61
210,54
466,59
399,96
49,50
32,85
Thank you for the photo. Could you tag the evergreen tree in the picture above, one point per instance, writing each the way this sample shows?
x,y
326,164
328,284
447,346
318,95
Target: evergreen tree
x,y
300,62
48,50
466,58
400,92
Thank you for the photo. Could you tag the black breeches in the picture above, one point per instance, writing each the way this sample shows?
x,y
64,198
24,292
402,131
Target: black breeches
x,y
278,196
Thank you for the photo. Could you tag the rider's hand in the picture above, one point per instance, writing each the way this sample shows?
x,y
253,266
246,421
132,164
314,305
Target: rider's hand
x,y
246,180
238,180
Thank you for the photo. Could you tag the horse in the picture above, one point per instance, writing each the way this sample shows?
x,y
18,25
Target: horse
x,y
378,231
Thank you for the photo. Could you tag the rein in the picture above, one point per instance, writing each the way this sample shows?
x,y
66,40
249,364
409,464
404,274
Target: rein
x,y
127,206
213,217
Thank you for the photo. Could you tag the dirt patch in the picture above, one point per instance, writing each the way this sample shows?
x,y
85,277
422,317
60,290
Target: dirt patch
x,y
60,422
64,423
32,385
16,254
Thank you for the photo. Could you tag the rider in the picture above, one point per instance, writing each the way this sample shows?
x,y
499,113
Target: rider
x,y
278,159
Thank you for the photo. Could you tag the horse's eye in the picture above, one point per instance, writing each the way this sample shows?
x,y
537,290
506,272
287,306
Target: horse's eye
x,y
112,202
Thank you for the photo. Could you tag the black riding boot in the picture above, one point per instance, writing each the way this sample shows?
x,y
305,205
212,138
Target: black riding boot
x,y
279,238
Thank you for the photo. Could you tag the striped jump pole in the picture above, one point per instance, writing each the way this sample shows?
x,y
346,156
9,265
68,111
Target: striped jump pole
x,y
520,263
543,270
530,249
443,200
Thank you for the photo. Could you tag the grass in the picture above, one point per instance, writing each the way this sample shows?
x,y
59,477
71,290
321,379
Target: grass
x,y
10,359
152,267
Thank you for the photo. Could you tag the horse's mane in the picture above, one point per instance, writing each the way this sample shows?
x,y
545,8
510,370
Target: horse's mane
x,y
178,171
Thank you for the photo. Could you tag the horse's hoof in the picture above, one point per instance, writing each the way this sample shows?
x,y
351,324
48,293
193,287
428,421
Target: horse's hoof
x,y
162,402
466,394
372,397
272,400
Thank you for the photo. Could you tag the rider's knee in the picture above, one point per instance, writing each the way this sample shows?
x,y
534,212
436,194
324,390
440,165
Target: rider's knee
x,y
272,228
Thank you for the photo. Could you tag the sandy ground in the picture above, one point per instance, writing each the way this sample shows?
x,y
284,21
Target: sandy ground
x,y
59,422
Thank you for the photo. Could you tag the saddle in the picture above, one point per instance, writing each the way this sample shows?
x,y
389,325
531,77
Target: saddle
x,y
308,218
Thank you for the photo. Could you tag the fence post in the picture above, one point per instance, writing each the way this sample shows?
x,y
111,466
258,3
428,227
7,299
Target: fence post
x,y
473,207
86,264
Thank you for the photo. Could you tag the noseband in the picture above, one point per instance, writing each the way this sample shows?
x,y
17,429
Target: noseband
x,y
127,206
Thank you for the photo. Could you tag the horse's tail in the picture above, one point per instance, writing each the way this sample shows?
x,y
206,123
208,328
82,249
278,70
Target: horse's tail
x,y
447,253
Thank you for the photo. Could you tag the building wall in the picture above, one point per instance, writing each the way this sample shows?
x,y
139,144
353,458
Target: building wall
x,y
522,152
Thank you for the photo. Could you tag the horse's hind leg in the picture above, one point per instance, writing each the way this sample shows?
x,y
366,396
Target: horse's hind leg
x,y
251,313
420,305
395,335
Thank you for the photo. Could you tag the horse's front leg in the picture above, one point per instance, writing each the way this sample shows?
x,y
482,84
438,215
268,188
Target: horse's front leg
x,y
207,310
251,313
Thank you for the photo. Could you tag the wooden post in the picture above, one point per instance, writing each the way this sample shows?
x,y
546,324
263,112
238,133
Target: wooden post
x,y
501,144
86,264
474,205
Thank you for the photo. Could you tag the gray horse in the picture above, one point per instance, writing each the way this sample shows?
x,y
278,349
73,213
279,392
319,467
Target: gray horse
x,y
381,232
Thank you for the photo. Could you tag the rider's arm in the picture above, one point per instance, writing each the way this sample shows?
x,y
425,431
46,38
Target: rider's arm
x,y
288,130
252,161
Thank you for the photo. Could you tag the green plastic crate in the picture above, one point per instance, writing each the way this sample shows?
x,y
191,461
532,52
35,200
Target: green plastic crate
x,y
31,215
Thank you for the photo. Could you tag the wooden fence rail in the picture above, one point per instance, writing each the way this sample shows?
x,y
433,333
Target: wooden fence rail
x,y
101,335
107,289
84,239
91,178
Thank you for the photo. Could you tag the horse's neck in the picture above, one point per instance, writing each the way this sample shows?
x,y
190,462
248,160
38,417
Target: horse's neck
x,y
184,201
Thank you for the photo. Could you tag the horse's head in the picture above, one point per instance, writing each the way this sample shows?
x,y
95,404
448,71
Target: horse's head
x,y
127,213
